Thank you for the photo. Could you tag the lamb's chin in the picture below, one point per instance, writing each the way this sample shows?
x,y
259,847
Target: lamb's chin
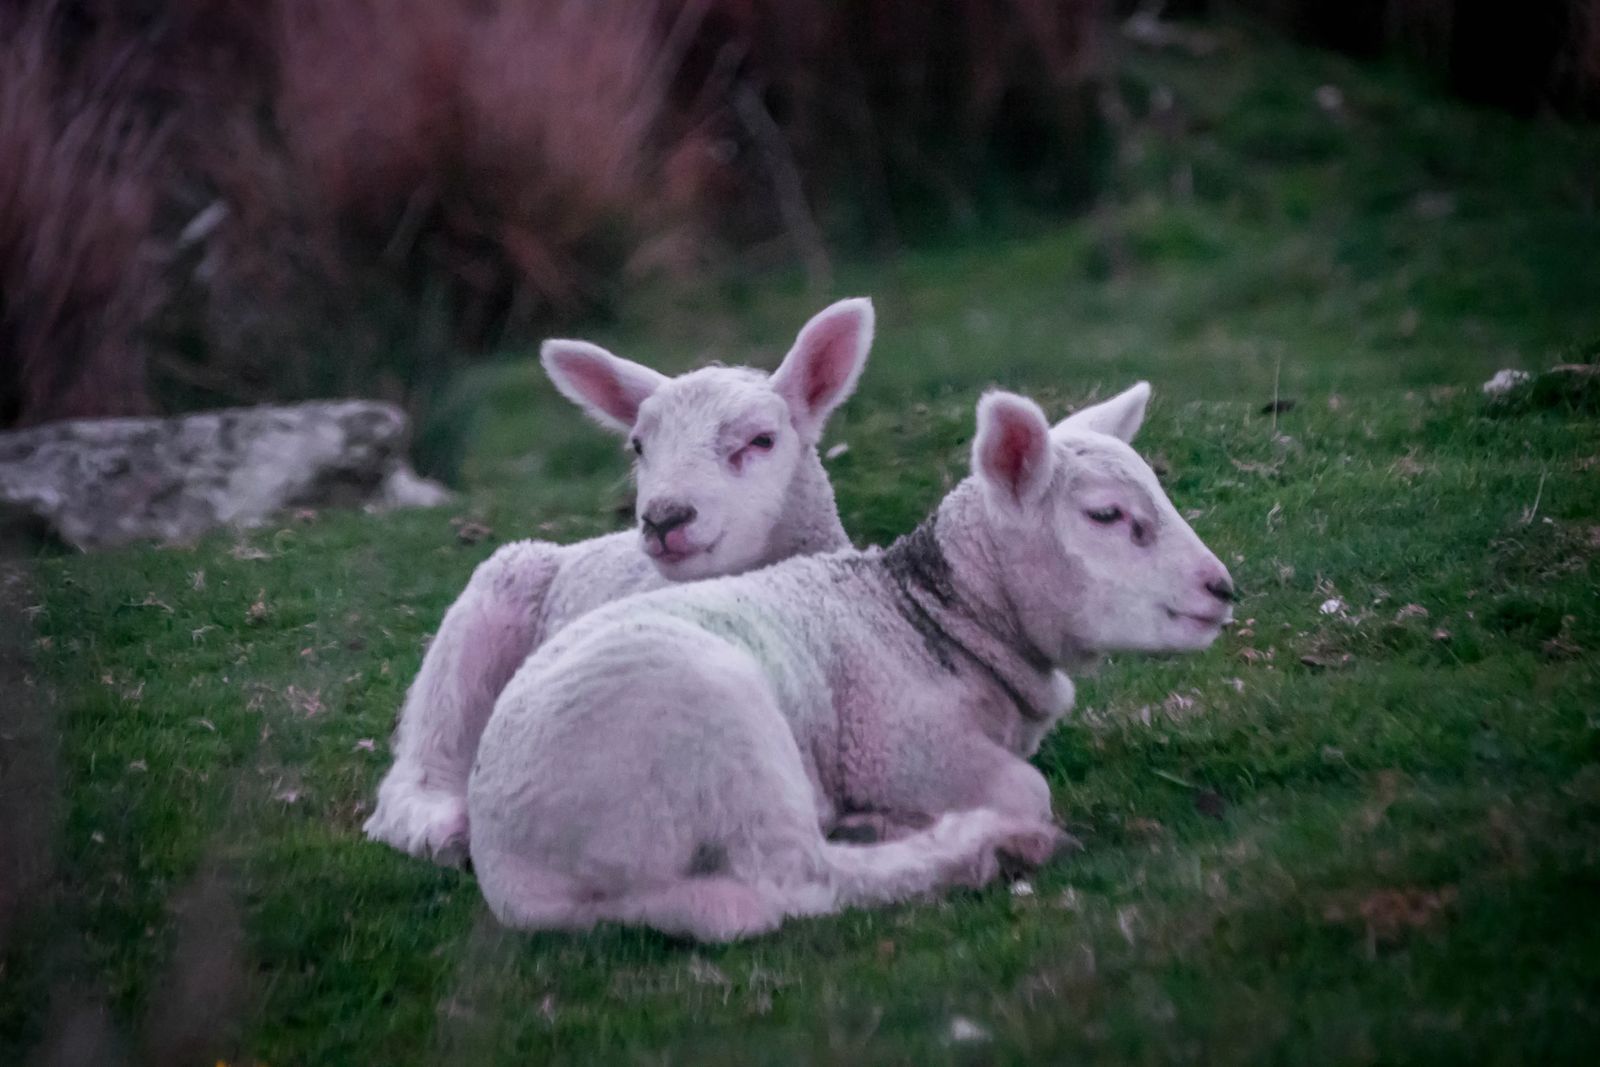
x,y
1191,635
691,567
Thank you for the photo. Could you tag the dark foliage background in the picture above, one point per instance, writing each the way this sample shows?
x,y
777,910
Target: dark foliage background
x,y
1524,56
222,201
228,201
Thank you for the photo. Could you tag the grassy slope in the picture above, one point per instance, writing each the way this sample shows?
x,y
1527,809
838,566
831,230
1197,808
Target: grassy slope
x,y
1390,857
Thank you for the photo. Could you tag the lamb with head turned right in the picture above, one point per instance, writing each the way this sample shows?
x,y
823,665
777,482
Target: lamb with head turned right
x,y
677,759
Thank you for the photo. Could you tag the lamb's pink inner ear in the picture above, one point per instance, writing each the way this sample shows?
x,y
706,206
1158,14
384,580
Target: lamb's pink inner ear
x,y
603,389
829,362
609,389
1014,450
822,368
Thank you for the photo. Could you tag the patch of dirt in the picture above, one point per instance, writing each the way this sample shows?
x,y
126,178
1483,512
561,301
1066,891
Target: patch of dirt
x,y
1325,652
1409,467
1209,802
1388,917
1563,645
1545,550
1386,790
470,531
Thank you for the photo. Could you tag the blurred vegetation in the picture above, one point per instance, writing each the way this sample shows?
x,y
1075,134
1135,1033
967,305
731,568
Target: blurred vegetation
x,y
1527,57
79,194
361,197
232,201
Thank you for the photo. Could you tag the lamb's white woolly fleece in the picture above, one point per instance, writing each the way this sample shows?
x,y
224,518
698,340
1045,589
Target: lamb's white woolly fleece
x,y
728,480
678,758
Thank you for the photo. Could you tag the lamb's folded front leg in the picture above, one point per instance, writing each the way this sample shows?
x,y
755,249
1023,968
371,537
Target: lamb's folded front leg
x,y
1014,786
485,636
982,774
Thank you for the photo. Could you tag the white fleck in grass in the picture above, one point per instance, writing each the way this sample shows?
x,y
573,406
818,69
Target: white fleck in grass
x,y
1178,704
1128,922
704,972
964,1031
244,552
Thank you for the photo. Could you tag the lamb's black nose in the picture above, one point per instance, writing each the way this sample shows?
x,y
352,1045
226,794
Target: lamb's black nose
x,y
1222,589
659,520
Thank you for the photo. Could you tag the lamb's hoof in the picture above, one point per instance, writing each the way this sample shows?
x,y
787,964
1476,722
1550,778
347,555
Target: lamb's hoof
x,y
432,827
453,854
1030,848
448,846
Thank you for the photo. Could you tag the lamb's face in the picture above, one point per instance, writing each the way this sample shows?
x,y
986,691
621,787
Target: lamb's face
x,y
1095,556
719,453
715,454
1131,574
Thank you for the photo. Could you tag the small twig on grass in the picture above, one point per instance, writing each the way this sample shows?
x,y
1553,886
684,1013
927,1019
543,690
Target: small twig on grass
x,y
1168,776
1532,511
1277,375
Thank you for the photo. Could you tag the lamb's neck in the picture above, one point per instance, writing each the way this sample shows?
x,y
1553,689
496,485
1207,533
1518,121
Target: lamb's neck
x,y
810,520
951,593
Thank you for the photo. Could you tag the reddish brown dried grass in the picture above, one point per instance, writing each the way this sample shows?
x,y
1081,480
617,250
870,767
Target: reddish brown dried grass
x,y
389,183
507,145
404,180
78,193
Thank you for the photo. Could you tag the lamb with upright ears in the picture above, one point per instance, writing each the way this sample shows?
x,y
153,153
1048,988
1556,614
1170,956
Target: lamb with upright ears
x,y
677,759
728,480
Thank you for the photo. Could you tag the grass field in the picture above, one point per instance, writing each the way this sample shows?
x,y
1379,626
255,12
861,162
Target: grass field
x,y
1365,827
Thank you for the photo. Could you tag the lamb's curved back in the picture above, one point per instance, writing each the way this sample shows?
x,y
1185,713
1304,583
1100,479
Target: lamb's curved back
x,y
725,457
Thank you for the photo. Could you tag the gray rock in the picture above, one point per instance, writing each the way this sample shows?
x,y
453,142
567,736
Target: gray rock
x,y
1504,382
98,483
